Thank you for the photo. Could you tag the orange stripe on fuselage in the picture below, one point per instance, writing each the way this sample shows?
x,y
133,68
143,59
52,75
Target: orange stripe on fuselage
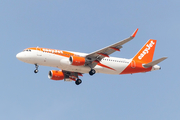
x,y
54,51
135,67
102,65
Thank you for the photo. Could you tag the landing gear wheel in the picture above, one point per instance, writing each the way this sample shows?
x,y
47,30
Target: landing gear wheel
x,y
78,81
92,72
36,70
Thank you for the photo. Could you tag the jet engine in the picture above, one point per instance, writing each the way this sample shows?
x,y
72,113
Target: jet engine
x,y
77,61
56,75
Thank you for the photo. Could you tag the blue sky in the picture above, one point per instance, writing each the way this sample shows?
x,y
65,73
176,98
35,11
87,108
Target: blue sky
x,y
86,26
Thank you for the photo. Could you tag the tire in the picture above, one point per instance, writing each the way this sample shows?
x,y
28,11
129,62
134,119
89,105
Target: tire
x,y
92,72
78,81
35,71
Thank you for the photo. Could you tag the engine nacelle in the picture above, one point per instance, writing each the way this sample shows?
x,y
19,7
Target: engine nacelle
x,y
56,75
77,61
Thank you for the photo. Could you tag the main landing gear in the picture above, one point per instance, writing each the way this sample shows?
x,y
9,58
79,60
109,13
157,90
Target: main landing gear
x,y
78,81
36,70
92,72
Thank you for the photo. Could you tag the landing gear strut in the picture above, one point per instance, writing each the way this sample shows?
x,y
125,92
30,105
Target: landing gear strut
x,y
92,72
78,81
36,70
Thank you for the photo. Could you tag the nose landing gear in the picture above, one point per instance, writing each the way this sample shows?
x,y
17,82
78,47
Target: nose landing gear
x,y
36,70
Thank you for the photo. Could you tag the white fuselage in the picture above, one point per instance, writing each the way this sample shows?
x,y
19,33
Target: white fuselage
x,y
108,65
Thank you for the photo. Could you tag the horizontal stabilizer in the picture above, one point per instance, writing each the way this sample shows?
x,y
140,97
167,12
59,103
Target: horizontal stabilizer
x,y
155,62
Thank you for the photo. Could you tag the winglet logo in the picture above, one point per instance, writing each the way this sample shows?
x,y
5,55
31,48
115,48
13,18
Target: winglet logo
x,y
146,50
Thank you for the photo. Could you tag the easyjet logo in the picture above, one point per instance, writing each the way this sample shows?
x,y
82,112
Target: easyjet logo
x,y
52,51
146,50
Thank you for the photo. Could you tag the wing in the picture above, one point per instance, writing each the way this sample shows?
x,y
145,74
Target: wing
x,y
98,55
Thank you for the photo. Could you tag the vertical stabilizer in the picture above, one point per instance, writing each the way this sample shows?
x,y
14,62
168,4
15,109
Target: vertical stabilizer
x,y
146,53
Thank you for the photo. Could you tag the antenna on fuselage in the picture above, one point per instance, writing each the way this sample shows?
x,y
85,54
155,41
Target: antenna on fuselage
x,y
37,47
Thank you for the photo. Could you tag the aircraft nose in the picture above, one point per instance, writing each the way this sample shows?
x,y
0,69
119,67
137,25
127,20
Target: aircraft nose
x,y
20,56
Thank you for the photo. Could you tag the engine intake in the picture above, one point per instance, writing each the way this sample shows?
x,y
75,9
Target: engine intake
x,y
56,75
77,61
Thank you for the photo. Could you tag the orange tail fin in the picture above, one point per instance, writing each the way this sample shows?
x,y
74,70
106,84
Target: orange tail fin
x,y
146,53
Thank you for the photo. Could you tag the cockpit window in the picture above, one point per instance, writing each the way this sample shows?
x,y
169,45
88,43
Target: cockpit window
x,y
27,50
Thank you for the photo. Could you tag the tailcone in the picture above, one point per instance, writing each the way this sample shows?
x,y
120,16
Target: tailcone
x,y
156,67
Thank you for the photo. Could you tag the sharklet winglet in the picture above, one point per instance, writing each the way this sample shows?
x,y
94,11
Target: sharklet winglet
x,y
135,32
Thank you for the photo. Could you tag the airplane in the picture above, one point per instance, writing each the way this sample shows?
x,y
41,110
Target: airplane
x,y
75,64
